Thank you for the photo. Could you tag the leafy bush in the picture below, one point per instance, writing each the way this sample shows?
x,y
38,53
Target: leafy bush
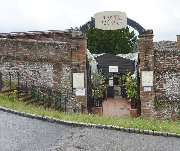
x,y
13,95
130,85
98,85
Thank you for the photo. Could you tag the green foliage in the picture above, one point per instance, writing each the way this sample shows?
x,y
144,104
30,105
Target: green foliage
x,y
122,121
98,85
111,41
130,85
13,95
6,84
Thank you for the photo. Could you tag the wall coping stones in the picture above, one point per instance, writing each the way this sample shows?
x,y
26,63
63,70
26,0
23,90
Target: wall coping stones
x,y
166,46
99,126
70,33
33,40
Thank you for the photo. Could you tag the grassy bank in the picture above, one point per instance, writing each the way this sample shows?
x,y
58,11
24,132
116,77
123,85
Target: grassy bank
x,y
139,123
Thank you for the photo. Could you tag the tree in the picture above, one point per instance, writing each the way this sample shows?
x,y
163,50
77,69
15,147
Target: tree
x,y
111,41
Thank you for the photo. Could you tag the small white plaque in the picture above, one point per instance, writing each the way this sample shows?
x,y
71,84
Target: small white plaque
x,y
78,80
113,68
80,92
147,89
147,78
110,83
110,20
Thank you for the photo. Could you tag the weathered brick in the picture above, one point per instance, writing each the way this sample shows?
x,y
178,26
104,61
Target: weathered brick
x,y
51,55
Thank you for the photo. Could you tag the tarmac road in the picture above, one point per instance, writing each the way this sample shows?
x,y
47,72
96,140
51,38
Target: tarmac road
x,y
25,134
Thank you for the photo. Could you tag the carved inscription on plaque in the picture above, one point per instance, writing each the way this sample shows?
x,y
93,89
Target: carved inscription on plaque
x,y
110,20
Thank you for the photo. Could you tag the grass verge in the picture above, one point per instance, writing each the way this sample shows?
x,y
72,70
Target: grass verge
x,y
122,121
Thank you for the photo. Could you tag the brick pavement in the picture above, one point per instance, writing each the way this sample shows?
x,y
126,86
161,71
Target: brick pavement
x,y
116,107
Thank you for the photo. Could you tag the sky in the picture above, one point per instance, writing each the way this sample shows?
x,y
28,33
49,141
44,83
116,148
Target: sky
x,y
162,16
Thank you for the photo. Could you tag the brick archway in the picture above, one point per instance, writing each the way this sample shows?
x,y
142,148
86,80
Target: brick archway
x,y
90,24
146,62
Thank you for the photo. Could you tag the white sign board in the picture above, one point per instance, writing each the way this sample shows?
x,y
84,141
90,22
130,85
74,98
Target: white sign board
x,y
147,89
78,80
80,92
113,68
110,20
147,78
110,83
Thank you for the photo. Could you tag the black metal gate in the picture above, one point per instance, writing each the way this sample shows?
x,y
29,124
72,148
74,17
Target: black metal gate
x,y
138,101
89,87
91,100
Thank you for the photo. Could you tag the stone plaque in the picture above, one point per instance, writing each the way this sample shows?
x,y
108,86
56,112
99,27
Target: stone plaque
x,y
147,78
78,80
113,68
110,20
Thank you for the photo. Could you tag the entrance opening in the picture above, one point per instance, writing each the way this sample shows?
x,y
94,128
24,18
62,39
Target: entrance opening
x,y
114,67
117,85
114,86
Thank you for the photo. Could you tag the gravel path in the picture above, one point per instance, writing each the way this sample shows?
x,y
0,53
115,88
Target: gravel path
x,y
24,134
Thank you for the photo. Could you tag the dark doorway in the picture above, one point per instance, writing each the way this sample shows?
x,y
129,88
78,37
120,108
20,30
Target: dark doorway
x,y
115,83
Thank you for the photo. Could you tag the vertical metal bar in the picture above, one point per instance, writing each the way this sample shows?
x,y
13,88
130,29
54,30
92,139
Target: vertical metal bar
x,y
43,99
26,88
55,104
56,100
81,108
1,82
49,97
33,91
65,104
38,95
18,86
94,101
48,94
138,89
10,80
60,102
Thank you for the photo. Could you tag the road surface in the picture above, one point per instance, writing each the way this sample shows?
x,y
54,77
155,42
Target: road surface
x,y
25,134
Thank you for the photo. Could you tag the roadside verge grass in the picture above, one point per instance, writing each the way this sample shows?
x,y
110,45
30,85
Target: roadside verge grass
x,y
122,121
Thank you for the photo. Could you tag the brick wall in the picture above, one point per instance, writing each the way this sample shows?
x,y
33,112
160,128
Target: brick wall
x,y
163,58
167,78
48,58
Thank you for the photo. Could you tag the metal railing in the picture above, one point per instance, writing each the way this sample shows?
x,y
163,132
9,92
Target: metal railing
x,y
47,97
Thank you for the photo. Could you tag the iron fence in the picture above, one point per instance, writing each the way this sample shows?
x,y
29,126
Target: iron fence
x,y
31,92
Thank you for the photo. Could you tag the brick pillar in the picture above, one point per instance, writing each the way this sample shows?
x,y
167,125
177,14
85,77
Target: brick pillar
x,y
79,63
146,55
178,41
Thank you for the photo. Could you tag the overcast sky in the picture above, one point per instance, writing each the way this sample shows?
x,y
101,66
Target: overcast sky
x,y
163,16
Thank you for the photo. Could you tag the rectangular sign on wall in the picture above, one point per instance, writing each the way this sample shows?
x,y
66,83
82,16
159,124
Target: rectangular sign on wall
x,y
80,92
78,80
147,89
147,78
113,68
110,20
111,83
